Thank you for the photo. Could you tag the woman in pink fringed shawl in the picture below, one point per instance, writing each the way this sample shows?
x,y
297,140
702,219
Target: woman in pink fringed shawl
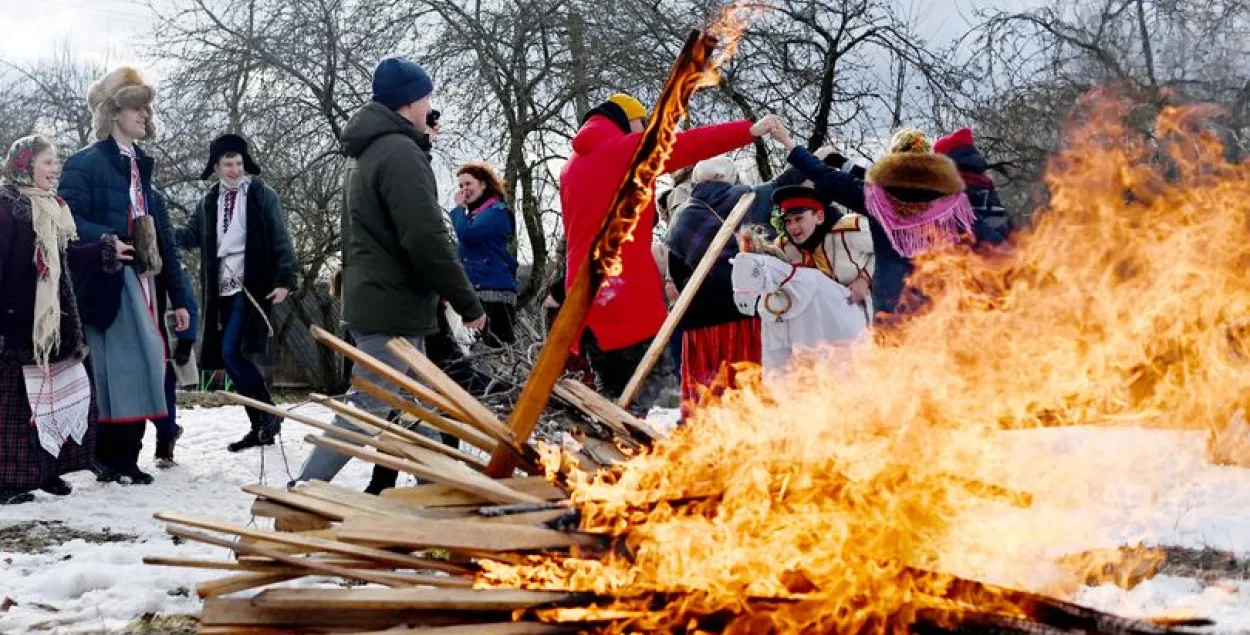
x,y
914,200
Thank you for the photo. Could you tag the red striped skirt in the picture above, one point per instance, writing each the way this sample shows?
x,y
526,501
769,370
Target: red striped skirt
x,y
708,356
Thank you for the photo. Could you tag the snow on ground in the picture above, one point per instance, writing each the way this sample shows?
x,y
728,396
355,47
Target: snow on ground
x,y
98,587
1093,487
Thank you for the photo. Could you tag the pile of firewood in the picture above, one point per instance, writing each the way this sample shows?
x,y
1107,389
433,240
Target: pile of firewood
x,y
418,548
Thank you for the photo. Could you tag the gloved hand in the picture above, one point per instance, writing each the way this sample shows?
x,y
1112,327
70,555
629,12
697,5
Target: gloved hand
x,y
182,351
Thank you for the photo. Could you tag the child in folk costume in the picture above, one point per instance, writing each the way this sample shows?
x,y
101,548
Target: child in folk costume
x,y
802,311
47,415
840,248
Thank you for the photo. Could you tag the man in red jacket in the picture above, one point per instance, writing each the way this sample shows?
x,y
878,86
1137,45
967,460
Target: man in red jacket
x,y
629,309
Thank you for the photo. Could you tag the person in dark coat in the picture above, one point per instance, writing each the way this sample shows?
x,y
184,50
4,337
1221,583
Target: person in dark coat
x,y
42,347
398,259
108,187
715,333
248,264
993,226
485,232
180,345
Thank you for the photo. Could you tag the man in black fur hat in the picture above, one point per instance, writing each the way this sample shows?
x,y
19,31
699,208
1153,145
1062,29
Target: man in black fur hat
x,y
248,265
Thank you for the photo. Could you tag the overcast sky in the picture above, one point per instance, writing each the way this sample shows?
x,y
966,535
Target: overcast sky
x,y
109,29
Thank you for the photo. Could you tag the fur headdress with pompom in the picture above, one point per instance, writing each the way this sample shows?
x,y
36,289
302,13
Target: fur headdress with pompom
x,y
120,89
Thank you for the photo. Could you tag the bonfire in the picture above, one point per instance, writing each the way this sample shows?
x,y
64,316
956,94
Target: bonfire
x,y
815,503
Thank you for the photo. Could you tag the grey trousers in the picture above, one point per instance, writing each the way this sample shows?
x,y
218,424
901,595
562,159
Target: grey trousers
x,y
324,464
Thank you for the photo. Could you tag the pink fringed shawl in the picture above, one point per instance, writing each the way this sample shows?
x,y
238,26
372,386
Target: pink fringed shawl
x,y
933,224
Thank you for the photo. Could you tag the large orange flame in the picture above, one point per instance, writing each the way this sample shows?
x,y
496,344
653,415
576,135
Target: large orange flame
x,y
1127,304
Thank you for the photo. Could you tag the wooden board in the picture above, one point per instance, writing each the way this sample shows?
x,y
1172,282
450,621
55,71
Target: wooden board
x,y
443,496
325,509
469,481
367,419
461,535
465,433
222,612
498,628
408,599
243,582
318,544
478,414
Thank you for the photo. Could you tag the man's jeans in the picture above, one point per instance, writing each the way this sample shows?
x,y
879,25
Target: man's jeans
x,y
324,464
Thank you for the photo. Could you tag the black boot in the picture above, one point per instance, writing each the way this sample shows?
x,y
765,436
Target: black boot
x,y
383,478
136,476
264,429
104,473
165,451
10,497
57,486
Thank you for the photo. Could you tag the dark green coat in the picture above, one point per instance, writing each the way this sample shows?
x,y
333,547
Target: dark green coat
x,y
269,262
398,258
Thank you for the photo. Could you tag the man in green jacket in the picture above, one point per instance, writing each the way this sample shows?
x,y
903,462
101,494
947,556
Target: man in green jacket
x,y
398,259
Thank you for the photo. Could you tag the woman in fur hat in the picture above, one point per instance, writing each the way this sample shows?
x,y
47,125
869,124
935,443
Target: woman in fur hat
x,y
914,200
47,418
108,186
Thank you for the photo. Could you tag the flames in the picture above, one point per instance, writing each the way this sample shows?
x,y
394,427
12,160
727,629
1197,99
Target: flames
x,y
814,502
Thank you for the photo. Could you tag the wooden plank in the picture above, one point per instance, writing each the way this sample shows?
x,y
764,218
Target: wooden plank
x,y
288,518
465,433
190,563
243,582
371,504
307,563
478,412
675,314
602,452
319,544
461,535
367,419
443,496
496,628
326,509
224,612
469,482
389,373
603,409
410,599
530,518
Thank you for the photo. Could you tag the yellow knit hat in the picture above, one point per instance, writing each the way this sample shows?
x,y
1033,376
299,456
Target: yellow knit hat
x,y
910,140
632,107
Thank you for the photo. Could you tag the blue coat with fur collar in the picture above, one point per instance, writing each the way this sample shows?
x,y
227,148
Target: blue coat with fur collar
x,y
95,183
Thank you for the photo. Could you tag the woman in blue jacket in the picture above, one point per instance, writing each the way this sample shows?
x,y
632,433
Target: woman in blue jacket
x,y
486,230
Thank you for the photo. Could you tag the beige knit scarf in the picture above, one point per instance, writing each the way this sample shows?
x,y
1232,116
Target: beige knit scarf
x,y
54,229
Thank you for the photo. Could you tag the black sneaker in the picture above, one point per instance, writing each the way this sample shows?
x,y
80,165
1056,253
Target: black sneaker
x,y
9,497
57,486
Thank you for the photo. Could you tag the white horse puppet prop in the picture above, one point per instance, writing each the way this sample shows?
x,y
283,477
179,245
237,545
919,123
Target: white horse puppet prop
x,y
801,310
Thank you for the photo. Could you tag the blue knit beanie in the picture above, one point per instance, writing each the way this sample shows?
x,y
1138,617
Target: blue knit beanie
x,y
398,81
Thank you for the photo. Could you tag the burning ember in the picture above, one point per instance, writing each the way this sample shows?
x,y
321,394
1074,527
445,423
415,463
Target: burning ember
x,y
818,503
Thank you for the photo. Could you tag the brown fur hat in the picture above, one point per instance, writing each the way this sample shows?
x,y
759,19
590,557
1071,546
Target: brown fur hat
x,y
917,171
121,88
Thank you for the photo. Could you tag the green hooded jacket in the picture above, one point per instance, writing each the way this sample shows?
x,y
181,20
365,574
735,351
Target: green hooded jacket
x,y
398,258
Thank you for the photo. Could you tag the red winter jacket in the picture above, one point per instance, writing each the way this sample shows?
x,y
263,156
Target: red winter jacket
x,y
629,309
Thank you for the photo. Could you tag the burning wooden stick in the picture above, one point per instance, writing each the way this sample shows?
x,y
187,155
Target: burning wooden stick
x,y
632,197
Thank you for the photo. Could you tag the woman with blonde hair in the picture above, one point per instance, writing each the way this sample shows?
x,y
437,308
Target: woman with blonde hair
x,y
47,414
486,231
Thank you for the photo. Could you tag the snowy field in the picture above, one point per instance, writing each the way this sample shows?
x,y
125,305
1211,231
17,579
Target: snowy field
x,y
1109,487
